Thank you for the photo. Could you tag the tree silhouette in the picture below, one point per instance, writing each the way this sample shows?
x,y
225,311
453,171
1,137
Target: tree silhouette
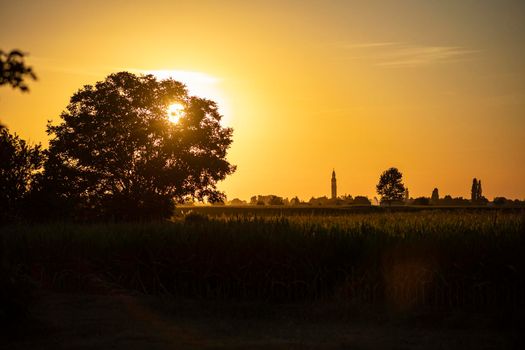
x,y
421,201
474,191
14,71
434,199
390,186
361,200
116,155
480,191
19,163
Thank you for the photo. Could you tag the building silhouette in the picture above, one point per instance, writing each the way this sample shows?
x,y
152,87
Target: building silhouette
x,y
334,185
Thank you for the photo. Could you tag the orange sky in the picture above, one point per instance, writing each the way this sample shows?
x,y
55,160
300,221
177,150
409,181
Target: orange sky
x,y
435,88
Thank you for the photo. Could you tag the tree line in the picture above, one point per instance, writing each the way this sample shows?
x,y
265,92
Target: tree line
x,y
392,191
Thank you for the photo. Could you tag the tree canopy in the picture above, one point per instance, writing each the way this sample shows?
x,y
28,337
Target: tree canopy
x,y
390,186
116,155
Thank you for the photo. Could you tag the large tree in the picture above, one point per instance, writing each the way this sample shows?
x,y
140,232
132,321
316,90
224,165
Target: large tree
x,y
390,186
116,155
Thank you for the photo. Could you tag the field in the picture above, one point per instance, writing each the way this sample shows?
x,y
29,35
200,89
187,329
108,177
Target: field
x,y
395,261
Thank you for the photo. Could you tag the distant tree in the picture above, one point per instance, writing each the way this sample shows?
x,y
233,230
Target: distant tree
x,y
500,201
447,200
275,200
479,191
421,201
361,200
474,191
458,201
237,201
483,200
14,71
434,199
253,200
116,155
476,196
19,164
295,201
347,198
390,186
319,201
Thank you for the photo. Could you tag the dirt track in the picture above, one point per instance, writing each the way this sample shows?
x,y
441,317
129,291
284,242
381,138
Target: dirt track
x,y
120,321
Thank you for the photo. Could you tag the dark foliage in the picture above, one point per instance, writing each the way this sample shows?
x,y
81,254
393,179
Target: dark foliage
x,y
19,164
476,196
500,201
14,71
390,186
116,156
435,197
361,200
421,201
459,259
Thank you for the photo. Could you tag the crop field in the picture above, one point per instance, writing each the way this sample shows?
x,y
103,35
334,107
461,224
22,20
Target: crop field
x,y
459,259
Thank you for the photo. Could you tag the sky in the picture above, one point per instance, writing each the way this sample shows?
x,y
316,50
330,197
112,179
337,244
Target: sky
x,y
434,88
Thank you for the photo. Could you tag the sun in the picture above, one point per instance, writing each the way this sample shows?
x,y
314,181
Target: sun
x,y
175,112
199,84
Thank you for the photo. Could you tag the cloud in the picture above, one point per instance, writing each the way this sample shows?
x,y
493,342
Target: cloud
x,y
397,54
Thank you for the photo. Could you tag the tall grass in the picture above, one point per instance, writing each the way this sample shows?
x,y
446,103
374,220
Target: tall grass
x,y
402,259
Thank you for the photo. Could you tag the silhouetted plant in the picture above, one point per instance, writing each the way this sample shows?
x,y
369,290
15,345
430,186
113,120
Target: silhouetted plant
x,y
361,200
390,186
115,154
421,201
14,71
476,196
500,201
480,192
19,164
474,191
435,197
295,201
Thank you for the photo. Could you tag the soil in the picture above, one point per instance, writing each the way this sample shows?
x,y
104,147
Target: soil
x,y
133,321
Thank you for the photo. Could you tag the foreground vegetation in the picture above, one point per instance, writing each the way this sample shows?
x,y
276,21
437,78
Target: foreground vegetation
x,y
402,260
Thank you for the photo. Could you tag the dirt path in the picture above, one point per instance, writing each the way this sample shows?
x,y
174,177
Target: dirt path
x,y
65,321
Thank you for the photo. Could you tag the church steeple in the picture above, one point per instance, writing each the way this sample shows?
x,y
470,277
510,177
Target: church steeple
x,y
334,185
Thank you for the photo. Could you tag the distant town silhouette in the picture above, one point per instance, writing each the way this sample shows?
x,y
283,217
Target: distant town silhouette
x,y
476,199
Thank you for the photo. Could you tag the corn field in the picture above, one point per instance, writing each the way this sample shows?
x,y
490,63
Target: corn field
x,y
401,259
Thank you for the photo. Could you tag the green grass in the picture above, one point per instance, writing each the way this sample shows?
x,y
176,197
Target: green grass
x,y
453,258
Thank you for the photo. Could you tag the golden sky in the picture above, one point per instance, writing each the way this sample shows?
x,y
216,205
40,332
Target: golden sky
x,y
435,88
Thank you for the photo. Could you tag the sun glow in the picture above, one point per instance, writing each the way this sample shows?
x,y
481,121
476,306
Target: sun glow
x,y
175,112
199,84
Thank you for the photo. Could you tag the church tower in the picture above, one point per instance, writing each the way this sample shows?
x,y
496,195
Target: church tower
x,y
334,185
